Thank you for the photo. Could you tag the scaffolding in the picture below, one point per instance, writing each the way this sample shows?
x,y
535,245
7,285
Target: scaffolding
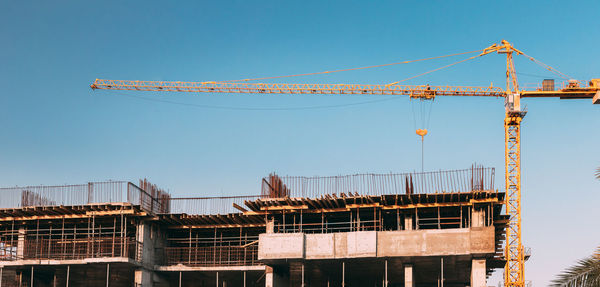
x,y
66,238
113,219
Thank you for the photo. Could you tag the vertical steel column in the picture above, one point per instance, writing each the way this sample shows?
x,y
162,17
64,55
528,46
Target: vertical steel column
x,y
179,278
385,283
125,246
37,242
62,238
112,252
31,276
302,275
343,274
1,269
122,234
68,273
12,234
244,279
442,272
190,247
217,278
322,221
107,273
398,219
301,221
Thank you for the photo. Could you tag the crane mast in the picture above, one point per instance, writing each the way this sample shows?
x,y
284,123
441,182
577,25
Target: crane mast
x,y
513,248
514,251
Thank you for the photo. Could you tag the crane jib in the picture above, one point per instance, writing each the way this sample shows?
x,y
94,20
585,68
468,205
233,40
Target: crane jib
x,y
416,91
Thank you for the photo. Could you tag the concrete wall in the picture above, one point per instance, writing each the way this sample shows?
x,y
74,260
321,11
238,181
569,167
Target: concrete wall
x,y
436,242
340,245
363,244
319,246
281,246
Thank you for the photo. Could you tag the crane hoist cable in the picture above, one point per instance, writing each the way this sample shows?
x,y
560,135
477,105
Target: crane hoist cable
x,y
422,115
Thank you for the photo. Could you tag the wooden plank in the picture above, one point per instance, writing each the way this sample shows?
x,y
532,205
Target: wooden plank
x,y
236,206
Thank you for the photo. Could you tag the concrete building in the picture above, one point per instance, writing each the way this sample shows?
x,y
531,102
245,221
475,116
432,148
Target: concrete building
x,y
421,229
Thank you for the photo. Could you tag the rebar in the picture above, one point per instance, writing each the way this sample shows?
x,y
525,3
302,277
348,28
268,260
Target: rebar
x,y
476,178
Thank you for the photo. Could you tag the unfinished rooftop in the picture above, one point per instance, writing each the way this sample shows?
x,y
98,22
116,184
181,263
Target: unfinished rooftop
x,y
396,229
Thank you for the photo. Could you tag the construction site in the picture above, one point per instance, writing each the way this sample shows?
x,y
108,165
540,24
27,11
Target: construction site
x,y
416,229
448,228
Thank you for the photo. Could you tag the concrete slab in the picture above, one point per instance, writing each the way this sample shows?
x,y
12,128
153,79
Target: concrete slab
x,y
211,268
69,262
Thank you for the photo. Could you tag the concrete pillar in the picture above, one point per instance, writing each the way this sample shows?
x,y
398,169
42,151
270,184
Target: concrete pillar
x,y
272,279
478,275
269,276
270,226
477,217
408,222
21,243
408,276
143,277
149,238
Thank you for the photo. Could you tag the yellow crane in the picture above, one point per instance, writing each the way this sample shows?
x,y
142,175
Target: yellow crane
x,y
514,252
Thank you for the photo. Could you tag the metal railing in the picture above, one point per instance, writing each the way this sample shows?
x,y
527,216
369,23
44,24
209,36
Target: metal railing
x,y
208,205
465,180
555,85
329,227
78,248
213,256
82,194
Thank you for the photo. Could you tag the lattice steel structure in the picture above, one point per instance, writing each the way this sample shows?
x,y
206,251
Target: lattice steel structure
x,y
515,257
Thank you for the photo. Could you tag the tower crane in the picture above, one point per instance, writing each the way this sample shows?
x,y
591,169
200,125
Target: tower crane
x,y
513,250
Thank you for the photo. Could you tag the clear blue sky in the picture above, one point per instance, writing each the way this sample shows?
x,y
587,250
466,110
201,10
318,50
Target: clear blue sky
x,y
55,130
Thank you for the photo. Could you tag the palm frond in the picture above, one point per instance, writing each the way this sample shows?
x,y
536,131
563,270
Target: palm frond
x,y
598,173
585,273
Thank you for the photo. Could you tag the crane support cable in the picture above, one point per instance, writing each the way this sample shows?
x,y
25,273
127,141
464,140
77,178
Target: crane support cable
x,y
349,69
434,70
562,75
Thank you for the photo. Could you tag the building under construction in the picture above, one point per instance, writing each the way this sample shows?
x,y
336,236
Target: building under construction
x,y
441,228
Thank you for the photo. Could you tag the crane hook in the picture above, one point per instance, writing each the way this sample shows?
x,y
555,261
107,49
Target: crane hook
x,y
421,132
